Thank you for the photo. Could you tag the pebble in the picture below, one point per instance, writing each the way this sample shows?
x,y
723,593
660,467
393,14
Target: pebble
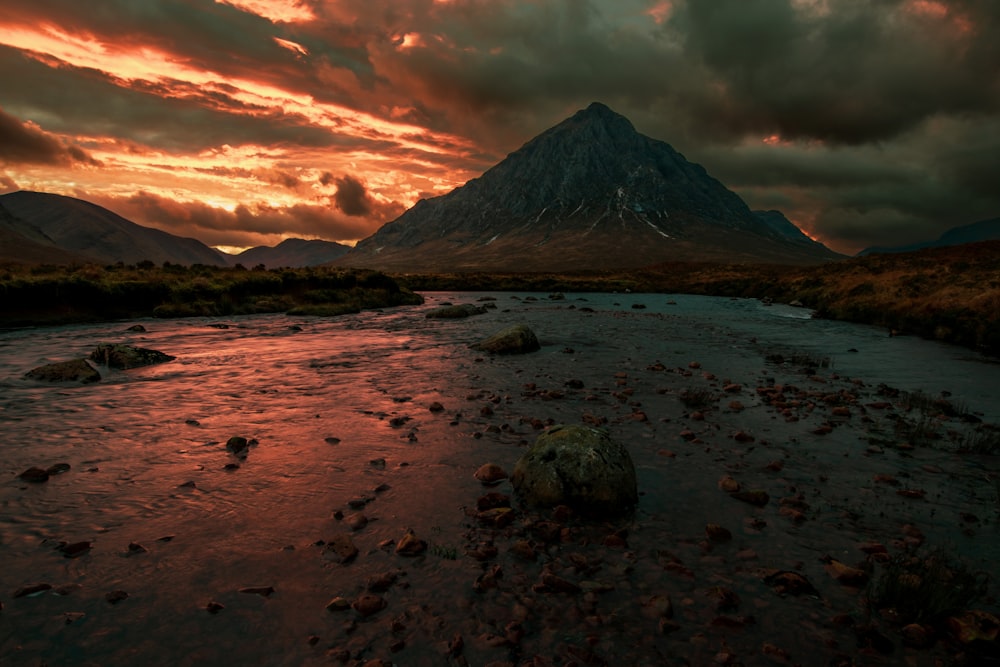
x,y
35,475
490,473
368,604
340,549
410,545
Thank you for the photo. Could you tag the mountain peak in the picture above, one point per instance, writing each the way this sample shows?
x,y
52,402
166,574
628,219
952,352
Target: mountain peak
x,y
589,193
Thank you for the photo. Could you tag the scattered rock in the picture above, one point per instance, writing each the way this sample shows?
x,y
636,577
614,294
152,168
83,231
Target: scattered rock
x,y
517,339
75,549
490,474
435,407
123,357
238,445
338,604
755,497
35,475
77,370
214,607
411,545
717,533
578,466
32,589
340,549
845,574
263,591
114,597
455,312
368,604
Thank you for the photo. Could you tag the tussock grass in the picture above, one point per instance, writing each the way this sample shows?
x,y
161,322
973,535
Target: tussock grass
x,y
52,295
925,587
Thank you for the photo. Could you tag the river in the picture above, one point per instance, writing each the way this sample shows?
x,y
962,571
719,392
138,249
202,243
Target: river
x,y
338,413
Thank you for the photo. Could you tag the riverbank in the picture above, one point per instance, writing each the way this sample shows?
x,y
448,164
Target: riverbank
x,y
947,294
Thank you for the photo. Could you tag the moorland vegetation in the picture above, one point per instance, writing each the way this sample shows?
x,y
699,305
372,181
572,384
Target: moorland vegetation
x,y
31,295
947,294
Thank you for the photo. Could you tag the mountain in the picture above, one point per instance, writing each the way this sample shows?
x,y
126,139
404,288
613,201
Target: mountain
x,y
984,230
589,193
57,227
292,253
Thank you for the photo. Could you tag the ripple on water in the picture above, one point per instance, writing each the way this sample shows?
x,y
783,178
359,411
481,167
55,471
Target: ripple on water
x,y
340,414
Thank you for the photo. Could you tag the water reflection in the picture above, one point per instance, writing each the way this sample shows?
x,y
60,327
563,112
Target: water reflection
x,y
340,412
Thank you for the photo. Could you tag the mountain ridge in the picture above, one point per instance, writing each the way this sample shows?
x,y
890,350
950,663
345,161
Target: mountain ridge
x,y
571,198
983,230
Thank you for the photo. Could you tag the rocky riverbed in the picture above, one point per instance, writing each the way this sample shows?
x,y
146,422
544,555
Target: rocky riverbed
x,y
305,491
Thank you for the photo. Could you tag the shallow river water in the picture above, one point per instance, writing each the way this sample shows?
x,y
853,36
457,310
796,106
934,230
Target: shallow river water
x,y
346,445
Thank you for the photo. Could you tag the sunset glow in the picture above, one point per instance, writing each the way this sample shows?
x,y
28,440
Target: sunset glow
x,y
234,121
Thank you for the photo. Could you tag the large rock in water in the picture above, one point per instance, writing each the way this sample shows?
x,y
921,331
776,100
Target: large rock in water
x,y
578,466
123,357
77,370
517,339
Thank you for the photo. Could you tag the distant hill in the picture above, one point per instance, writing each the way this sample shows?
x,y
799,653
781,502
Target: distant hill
x,y
292,253
65,229
590,193
984,230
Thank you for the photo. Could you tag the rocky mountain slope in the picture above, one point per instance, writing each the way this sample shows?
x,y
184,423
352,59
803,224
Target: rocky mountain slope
x,y
984,230
65,229
590,193
293,253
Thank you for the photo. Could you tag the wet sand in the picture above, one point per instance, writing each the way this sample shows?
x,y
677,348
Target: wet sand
x,y
194,555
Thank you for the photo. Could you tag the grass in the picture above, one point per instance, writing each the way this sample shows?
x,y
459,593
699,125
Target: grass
x,y
925,588
56,295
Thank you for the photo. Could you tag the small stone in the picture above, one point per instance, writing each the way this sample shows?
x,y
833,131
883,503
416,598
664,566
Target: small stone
x,y
263,591
238,445
32,589
498,517
729,485
57,469
845,574
492,500
35,474
214,607
435,407
379,583
717,533
114,597
340,549
755,497
338,604
75,549
136,548
490,473
410,545
368,604
917,635
356,521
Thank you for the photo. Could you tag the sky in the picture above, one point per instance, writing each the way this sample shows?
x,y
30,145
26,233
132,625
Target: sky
x,y
245,122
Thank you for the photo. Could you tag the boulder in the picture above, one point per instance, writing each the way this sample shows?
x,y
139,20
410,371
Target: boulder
x,y
516,339
77,370
578,466
455,312
123,357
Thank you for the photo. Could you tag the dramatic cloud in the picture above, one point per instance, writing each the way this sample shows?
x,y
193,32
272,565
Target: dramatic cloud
x,y
26,143
351,196
865,122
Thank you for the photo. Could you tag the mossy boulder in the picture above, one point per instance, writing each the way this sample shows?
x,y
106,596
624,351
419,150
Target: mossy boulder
x,y
123,357
77,370
578,466
516,339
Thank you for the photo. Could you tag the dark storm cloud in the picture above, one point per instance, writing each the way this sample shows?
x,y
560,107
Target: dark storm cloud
x,y
244,226
26,143
881,117
351,197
